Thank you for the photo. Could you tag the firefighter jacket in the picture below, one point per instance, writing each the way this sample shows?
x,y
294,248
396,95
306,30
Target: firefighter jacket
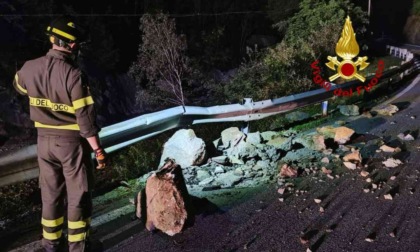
x,y
59,98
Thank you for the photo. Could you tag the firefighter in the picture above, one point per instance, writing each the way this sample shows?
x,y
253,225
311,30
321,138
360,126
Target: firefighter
x,y
61,107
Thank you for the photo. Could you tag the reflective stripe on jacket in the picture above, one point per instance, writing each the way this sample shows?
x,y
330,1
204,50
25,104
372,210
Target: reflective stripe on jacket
x,y
59,97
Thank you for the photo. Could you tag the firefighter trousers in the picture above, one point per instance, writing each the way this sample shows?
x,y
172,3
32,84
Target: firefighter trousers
x,y
66,175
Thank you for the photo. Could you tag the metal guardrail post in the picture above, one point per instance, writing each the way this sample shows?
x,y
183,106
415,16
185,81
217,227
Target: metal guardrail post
x,y
247,102
324,106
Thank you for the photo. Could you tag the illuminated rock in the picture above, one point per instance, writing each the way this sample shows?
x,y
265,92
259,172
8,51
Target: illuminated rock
x,y
185,148
167,200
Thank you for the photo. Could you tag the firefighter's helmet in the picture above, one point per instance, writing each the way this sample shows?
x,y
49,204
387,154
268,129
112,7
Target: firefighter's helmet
x,y
65,29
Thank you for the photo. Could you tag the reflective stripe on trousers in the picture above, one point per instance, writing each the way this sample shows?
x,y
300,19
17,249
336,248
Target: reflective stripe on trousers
x,y
65,163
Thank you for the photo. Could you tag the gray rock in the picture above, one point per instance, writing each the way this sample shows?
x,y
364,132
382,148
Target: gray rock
x,y
349,110
228,179
387,110
314,142
238,172
261,165
218,170
220,160
231,137
268,135
185,148
202,175
254,138
282,143
241,150
218,144
207,181
303,155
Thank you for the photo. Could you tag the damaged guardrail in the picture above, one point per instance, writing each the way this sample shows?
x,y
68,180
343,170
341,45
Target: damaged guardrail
x,y
22,165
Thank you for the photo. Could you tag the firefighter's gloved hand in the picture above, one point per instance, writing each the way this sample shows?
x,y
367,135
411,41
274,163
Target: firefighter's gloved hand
x,y
101,157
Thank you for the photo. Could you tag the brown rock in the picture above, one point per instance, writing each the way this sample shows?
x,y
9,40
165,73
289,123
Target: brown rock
x,y
349,165
386,148
364,173
281,190
388,196
167,200
287,171
343,134
391,162
319,142
325,170
353,157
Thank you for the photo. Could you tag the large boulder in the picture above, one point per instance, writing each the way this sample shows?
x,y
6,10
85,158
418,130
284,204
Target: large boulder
x,y
166,200
185,148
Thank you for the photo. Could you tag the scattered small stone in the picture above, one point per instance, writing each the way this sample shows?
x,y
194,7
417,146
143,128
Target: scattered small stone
x,y
386,148
281,199
350,165
378,150
368,180
392,122
325,170
374,186
321,209
281,190
366,190
391,162
387,110
392,178
325,160
343,134
413,117
369,240
364,173
354,156
329,230
287,171
388,196
329,176
317,201
308,250
407,137
392,234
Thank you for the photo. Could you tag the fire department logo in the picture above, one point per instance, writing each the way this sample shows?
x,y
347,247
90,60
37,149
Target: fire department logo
x,y
347,48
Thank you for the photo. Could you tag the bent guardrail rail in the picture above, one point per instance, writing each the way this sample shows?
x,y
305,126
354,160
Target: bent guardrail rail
x,y
22,165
